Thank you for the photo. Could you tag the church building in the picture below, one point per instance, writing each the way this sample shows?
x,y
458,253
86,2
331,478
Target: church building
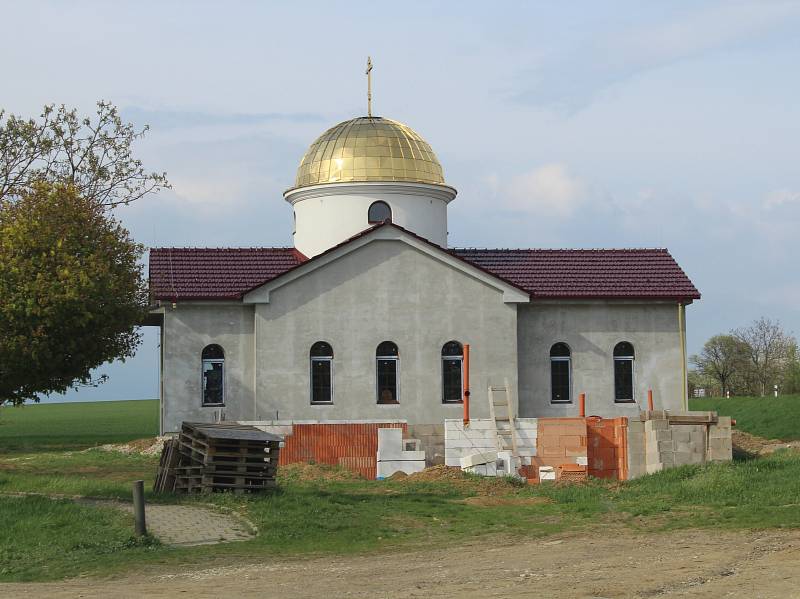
x,y
366,317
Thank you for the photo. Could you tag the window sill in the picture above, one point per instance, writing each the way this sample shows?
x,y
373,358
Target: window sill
x,y
561,403
321,403
624,401
453,403
388,403
213,405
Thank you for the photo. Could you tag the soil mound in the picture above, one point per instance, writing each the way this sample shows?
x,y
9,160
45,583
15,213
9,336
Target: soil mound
x,y
745,443
148,446
454,478
311,473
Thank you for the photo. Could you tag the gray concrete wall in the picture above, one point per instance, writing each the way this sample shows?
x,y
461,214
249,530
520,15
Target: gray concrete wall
x,y
592,329
187,330
384,291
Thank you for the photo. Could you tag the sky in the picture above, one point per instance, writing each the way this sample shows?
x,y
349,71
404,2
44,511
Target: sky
x,y
586,124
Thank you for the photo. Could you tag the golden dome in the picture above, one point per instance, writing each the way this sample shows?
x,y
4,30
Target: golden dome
x,y
369,149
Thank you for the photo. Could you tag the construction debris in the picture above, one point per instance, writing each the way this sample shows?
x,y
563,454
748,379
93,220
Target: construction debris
x,y
218,457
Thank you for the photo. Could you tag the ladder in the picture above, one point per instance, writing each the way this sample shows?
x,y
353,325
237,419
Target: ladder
x,y
501,411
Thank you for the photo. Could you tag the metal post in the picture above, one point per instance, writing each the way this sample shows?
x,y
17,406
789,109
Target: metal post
x,y
650,400
138,508
582,404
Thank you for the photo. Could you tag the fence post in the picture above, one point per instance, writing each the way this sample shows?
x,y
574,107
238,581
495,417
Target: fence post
x,y
140,526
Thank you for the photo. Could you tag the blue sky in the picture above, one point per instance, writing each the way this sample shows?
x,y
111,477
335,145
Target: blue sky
x,y
602,124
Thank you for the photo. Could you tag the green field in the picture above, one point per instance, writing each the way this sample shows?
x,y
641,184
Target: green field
x,y
43,427
768,417
46,539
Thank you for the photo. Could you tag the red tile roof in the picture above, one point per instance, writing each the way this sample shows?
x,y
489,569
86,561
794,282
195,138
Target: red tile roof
x,y
215,273
223,273
641,273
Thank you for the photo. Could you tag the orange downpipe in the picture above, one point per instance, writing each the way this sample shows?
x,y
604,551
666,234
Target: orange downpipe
x,y
650,400
582,404
466,384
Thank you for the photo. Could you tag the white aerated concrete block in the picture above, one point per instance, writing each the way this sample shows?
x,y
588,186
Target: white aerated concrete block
x,y
547,473
582,460
483,469
478,458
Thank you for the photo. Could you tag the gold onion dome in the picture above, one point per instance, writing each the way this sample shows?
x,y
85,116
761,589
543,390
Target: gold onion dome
x,y
369,149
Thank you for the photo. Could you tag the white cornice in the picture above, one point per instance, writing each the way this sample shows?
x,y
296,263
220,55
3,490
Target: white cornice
x,y
428,190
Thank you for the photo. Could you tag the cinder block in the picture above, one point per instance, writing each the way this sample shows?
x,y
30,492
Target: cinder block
x,y
655,425
483,469
478,458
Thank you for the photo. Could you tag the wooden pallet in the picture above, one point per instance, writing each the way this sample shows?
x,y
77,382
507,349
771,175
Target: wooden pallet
x,y
219,457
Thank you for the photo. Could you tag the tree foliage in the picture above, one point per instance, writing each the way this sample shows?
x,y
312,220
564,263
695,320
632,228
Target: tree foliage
x,y
722,360
750,360
94,156
768,351
72,291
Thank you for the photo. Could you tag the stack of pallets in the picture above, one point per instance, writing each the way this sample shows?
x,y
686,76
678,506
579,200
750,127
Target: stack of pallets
x,y
220,457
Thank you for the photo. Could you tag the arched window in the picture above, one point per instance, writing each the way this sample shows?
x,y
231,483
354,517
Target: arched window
x,y
560,373
387,360
452,358
623,371
379,212
213,372
321,373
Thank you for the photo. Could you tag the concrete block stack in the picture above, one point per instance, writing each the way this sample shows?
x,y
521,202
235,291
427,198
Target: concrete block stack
x,y
396,454
480,438
664,440
431,436
720,446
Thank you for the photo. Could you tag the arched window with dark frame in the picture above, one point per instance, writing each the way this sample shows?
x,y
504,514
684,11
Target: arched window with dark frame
x,y
452,360
379,212
387,362
213,375
623,372
560,373
321,373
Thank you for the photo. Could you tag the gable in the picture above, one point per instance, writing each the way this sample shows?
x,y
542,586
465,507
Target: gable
x,y
369,251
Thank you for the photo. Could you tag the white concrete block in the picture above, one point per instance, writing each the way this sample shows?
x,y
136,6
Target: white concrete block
x,y
483,469
386,469
392,455
582,460
547,473
478,458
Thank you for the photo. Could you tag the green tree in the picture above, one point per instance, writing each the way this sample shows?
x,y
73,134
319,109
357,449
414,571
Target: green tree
x,y
723,360
71,291
768,349
93,155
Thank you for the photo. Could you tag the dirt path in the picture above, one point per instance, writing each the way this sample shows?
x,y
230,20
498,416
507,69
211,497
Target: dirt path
x,y
615,563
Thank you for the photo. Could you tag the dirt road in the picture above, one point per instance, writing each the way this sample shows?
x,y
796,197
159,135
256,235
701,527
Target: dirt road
x,y
609,563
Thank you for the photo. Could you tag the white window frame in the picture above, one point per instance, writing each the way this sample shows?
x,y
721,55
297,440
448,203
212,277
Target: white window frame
x,y
632,360
311,380
396,360
567,359
459,359
203,363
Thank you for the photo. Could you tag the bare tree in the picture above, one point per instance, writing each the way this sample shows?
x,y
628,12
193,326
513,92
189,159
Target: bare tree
x,y
769,351
722,359
94,156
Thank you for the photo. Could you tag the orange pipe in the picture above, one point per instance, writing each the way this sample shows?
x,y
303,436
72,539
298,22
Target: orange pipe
x,y
466,384
582,404
650,400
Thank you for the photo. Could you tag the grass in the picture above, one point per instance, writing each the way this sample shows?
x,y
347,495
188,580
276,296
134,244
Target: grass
x,y
768,417
47,427
48,539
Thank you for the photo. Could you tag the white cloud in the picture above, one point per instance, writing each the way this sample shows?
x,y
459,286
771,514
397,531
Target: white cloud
x,y
549,190
780,198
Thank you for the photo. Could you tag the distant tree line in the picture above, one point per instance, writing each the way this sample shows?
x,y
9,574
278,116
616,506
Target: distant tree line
x,y
748,361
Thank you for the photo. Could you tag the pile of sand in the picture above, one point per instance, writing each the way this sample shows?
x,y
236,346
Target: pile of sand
x,y
148,446
751,444
312,473
453,477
